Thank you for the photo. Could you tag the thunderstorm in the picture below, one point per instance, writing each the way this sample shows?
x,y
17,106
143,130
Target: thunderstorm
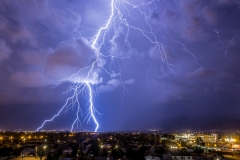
x,y
117,21
120,14
119,65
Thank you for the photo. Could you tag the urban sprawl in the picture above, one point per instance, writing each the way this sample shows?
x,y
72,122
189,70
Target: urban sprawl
x,y
137,145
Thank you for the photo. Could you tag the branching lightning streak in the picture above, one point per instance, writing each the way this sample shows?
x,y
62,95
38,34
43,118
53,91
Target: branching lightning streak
x,y
85,83
91,107
115,21
222,44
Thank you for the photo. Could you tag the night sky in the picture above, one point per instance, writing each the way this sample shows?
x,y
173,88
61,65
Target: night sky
x,y
191,82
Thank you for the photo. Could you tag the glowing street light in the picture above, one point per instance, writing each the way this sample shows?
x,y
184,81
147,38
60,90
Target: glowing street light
x,y
11,138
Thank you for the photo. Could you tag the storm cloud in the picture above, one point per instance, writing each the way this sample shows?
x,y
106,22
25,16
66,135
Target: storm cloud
x,y
193,76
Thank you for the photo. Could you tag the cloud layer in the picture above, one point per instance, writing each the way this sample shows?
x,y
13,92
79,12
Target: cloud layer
x,y
195,69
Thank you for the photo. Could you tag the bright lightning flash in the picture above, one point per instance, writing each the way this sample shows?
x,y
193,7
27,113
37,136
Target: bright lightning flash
x,y
117,19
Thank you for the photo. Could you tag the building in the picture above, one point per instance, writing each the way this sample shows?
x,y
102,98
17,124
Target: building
x,y
181,156
209,138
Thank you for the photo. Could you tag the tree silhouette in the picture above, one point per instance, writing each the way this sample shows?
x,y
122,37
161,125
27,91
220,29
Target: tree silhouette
x,y
199,150
200,141
41,152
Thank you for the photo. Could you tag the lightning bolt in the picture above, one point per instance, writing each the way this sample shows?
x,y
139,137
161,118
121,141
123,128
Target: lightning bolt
x,y
71,101
223,45
100,41
91,107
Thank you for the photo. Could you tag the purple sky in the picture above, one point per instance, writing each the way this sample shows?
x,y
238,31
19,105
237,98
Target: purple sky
x,y
194,83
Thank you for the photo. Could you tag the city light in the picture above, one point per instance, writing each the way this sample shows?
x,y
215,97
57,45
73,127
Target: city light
x,y
230,140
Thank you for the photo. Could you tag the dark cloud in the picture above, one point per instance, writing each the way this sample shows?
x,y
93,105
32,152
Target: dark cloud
x,y
68,59
210,16
200,73
5,51
226,75
190,77
154,15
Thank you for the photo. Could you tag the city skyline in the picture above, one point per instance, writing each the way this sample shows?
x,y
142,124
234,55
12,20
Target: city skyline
x,y
127,66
